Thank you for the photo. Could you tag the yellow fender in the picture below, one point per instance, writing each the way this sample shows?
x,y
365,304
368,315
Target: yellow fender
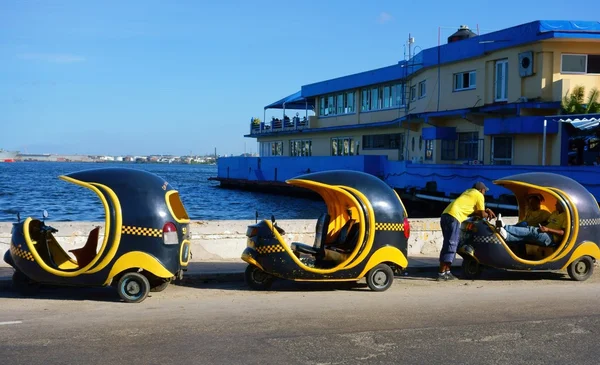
x,y
586,248
385,254
135,260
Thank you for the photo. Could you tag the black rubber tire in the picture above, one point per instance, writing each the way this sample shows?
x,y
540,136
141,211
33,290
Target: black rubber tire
x,y
133,287
24,285
160,286
257,279
380,278
581,269
471,269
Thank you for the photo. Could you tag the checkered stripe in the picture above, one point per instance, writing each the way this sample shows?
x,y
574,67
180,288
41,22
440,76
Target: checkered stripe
x,y
485,239
142,231
264,250
589,222
17,251
389,227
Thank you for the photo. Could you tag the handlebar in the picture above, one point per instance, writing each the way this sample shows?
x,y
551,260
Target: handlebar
x,y
280,230
45,229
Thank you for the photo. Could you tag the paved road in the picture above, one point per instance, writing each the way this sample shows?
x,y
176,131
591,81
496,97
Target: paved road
x,y
514,319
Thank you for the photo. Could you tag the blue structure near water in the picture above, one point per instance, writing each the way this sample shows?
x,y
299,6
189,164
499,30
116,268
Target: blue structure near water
x,y
502,121
401,175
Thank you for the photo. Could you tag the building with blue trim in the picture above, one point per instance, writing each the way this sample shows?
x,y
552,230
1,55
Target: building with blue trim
x,y
478,100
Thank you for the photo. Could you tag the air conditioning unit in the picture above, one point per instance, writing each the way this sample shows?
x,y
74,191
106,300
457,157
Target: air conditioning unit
x,y
526,64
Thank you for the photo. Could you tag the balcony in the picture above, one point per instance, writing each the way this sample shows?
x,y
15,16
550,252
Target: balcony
x,y
279,125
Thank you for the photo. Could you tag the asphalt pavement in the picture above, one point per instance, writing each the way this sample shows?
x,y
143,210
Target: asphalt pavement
x,y
504,318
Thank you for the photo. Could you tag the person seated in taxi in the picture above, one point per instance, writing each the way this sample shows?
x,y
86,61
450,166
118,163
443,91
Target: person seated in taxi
x,y
534,215
544,234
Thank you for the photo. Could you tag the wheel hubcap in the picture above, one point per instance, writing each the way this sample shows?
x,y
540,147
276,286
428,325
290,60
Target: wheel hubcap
x,y
259,276
380,278
581,268
133,288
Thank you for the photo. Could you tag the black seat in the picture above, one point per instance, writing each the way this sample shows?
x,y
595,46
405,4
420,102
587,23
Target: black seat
x,y
352,239
320,236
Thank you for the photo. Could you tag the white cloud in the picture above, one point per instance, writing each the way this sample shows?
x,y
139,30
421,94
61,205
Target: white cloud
x,y
52,57
384,18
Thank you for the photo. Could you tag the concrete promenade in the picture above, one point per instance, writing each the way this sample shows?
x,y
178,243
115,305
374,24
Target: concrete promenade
x,y
217,245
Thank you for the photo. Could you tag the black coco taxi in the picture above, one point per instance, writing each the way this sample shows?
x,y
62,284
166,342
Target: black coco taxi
x,y
364,233
145,241
481,246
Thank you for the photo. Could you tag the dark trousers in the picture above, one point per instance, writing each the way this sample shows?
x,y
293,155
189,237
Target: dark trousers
x,y
451,232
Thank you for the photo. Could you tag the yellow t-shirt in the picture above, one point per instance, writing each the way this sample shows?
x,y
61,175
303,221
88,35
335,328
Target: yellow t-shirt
x,y
557,221
535,217
467,203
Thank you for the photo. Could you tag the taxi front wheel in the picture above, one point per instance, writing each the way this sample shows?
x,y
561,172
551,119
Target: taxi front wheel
x,y
257,279
581,269
133,287
380,278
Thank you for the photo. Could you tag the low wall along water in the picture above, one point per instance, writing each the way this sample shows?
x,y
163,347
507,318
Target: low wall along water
x,y
225,240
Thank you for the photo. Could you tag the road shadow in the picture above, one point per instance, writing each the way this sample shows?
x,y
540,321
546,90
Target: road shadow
x,y
279,285
490,274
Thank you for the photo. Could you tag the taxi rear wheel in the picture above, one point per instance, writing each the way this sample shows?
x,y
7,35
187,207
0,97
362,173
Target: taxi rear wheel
x,y
581,269
257,279
380,278
133,287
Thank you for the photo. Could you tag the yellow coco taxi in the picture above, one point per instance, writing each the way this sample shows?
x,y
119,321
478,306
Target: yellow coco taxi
x,y
145,240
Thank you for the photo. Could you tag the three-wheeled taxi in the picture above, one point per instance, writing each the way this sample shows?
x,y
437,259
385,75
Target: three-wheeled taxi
x,y
363,233
482,246
145,240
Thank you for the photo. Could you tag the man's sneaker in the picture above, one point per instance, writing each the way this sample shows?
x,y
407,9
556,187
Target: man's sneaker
x,y
499,222
503,232
449,275
441,276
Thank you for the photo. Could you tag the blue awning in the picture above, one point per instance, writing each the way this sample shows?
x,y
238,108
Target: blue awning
x,y
294,101
579,121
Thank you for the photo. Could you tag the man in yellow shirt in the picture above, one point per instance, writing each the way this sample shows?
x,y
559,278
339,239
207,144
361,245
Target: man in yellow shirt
x,y
468,203
535,215
546,235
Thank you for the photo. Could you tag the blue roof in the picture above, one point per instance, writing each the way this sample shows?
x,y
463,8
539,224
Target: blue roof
x,y
535,31
294,101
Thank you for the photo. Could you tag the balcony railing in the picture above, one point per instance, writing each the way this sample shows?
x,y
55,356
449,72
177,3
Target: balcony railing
x,y
279,125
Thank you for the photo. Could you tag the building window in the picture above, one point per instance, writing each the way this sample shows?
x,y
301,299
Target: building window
x,y
383,141
375,99
398,97
422,89
301,147
580,64
468,146
429,150
382,97
349,102
342,146
365,100
340,103
337,104
502,150
448,149
413,93
271,148
501,81
464,81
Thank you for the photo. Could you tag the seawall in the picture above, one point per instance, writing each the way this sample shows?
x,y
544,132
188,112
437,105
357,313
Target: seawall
x,y
225,240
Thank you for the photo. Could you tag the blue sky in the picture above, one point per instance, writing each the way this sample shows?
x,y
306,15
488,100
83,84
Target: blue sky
x,y
174,77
